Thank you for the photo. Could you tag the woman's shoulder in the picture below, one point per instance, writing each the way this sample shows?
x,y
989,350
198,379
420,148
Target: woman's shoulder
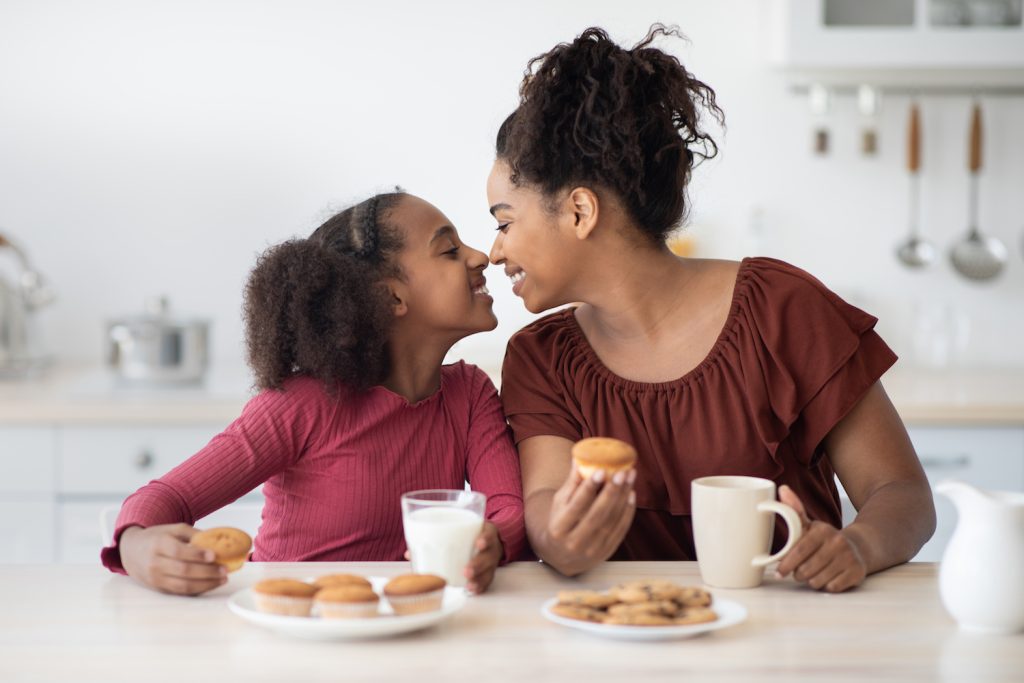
x,y
777,279
543,331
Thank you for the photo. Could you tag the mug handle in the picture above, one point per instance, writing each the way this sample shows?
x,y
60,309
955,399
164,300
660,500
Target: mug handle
x,y
796,528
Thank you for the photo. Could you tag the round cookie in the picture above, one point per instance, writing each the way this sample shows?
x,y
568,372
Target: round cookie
x,y
602,453
646,591
694,597
695,615
579,612
230,546
663,608
584,598
639,620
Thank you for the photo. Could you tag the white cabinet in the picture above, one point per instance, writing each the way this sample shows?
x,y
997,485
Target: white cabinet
x,y
978,38
987,457
61,486
990,458
27,480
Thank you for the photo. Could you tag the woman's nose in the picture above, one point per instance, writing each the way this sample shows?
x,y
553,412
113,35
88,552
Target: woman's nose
x,y
497,256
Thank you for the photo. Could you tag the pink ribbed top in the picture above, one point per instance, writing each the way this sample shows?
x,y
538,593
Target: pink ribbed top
x,y
333,468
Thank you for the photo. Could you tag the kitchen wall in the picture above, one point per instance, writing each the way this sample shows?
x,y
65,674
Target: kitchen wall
x,y
155,148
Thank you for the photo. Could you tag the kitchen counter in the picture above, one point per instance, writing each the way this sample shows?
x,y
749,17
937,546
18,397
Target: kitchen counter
x,y
79,394
80,623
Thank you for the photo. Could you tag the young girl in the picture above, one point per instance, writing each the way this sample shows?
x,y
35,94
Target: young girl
x,y
707,367
346,333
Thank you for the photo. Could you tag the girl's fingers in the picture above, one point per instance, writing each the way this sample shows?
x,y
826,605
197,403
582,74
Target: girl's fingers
x,y
172,546
186,586
174,568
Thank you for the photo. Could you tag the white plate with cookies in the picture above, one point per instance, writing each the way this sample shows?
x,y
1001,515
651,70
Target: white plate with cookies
x,y
385,623
644,610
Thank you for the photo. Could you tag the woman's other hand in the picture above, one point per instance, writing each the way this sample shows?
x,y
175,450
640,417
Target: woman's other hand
x,y
160,557
824,558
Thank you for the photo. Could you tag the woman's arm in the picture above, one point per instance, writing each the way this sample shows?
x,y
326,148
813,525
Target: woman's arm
x,y
573,524
876,463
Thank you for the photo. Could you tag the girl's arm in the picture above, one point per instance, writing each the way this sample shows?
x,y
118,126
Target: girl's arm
x,y
876,463
274,429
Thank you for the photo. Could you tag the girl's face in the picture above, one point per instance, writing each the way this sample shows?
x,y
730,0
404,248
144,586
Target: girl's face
x,y
534,244
443,288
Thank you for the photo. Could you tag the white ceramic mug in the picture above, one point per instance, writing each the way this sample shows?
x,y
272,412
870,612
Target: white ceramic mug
x,y
733,524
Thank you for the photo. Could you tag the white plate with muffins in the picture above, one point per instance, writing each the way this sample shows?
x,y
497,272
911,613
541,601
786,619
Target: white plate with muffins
x,y
347,607
652,609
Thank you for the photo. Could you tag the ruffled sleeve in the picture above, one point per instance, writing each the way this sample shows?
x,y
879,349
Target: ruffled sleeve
x,y
536,402
809,359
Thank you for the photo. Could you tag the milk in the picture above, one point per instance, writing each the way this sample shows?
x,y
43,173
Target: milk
x,y
440,541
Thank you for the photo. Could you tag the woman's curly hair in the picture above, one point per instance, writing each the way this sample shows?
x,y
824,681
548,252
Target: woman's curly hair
x,y
626,120
318,306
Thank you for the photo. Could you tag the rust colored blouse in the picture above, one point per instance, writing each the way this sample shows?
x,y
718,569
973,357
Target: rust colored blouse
x,y
790,362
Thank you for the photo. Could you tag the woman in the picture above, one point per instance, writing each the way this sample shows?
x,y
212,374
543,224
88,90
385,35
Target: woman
x,y
346,332
707,367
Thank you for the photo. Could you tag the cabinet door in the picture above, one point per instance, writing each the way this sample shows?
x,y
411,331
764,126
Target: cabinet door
x,y
115,461
27,459
26,527
990,458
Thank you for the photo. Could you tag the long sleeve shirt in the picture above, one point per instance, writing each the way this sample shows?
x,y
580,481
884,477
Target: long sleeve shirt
x,y
333,468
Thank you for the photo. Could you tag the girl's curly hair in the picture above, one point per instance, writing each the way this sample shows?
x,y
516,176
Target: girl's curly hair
x,y
318,306
627,120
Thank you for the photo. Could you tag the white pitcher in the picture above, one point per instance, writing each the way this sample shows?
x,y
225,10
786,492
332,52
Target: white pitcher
x,y
981,578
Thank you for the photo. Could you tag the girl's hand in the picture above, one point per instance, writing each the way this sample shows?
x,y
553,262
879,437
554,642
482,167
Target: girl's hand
x,y
160,557
590,517
486,556
824,558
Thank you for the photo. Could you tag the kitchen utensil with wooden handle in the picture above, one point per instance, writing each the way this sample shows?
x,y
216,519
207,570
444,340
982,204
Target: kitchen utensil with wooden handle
x,y
977,257
915,252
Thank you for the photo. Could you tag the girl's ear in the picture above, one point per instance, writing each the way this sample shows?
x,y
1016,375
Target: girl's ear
x,y
399,297
585,208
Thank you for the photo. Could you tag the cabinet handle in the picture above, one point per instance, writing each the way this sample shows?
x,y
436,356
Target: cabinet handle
x,y
945,462
143,460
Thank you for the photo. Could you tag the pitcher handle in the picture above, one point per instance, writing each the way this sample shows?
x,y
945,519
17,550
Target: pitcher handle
x,y
793,522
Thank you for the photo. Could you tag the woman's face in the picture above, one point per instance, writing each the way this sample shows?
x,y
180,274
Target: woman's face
x,y
534,245
443,285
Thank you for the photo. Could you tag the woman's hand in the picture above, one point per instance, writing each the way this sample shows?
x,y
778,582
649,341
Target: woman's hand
x,y
824,558
160,557
487,552
589,518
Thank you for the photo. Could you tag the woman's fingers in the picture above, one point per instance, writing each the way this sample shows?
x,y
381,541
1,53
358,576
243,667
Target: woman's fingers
x,y
596,534
789,497
808,544
565,517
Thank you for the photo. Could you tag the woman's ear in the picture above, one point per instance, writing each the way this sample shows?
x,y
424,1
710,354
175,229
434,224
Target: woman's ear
x,y
585,207
399,297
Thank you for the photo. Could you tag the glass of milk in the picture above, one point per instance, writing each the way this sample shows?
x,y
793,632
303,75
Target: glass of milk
x,y
441,526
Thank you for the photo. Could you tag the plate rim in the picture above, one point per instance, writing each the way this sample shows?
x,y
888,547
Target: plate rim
x,y
738,615
383,626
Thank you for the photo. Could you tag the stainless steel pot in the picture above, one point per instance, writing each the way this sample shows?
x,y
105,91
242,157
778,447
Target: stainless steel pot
x,y
158,348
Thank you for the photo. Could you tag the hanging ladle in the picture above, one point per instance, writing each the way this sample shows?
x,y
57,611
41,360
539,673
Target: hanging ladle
x,y
915,252
977,257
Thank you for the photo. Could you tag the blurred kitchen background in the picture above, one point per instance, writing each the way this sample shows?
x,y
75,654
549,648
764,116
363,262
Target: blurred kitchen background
x,y
152,149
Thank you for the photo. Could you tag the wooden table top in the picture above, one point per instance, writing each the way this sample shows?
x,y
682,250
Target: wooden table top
x,y
80,623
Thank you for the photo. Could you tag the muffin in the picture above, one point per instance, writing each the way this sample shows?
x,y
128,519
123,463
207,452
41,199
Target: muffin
x,y
230,546
333,580
346,602
287,597
414,593
605,453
